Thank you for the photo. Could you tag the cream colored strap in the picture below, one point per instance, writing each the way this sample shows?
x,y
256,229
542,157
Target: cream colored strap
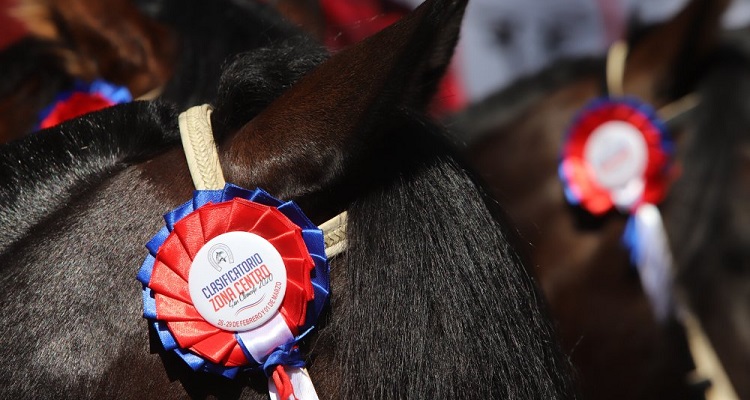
x,y
151,94
679,107
205,169
616,57
200,148
334,231
707,363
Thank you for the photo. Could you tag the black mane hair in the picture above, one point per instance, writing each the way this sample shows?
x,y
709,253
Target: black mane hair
x,y
212,33
46,170
709,203
444,272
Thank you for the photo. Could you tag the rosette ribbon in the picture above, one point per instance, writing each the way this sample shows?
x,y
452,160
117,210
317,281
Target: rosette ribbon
x,y
625,167
83,98
581,183
167,271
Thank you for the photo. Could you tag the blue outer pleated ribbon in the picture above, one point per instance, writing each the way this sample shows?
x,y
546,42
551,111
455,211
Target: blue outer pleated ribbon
x,y
114,93
287,354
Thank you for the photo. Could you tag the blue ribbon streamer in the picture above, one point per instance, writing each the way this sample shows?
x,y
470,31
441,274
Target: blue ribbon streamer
x,y
287,355
630,241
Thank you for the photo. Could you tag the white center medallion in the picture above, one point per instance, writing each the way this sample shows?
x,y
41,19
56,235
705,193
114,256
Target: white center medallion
x,y
237,281
617,153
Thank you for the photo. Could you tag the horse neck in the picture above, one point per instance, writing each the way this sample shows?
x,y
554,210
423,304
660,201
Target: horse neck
x,y
44,172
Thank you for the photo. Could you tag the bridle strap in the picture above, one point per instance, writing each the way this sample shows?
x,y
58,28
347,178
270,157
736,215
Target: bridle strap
x,y
334,232
616,57
707,362
205,169
151,94
200,148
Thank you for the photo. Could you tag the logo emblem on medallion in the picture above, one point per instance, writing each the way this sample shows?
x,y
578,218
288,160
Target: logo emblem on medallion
x,y
219,255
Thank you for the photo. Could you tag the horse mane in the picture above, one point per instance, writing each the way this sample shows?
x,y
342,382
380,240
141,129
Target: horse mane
x,y
705,203
430,268
45,171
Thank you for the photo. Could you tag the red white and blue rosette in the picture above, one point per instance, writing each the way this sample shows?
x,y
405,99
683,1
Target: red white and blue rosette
x,y
616,154
234,280
82,98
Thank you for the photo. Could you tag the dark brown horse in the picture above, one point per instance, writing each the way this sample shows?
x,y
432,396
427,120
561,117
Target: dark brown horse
x,y
603,316
429,301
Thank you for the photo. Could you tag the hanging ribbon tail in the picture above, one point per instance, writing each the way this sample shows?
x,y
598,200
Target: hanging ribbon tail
x,y
646,238
295,384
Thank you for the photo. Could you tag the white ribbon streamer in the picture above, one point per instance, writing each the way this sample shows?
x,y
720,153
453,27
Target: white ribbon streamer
x,y
654,259
261,341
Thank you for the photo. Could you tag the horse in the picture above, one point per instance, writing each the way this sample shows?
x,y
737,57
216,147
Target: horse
x,y
429,300
514,139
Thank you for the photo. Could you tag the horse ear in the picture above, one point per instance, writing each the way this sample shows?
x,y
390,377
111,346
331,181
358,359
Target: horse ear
x,y
666,60
345,103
